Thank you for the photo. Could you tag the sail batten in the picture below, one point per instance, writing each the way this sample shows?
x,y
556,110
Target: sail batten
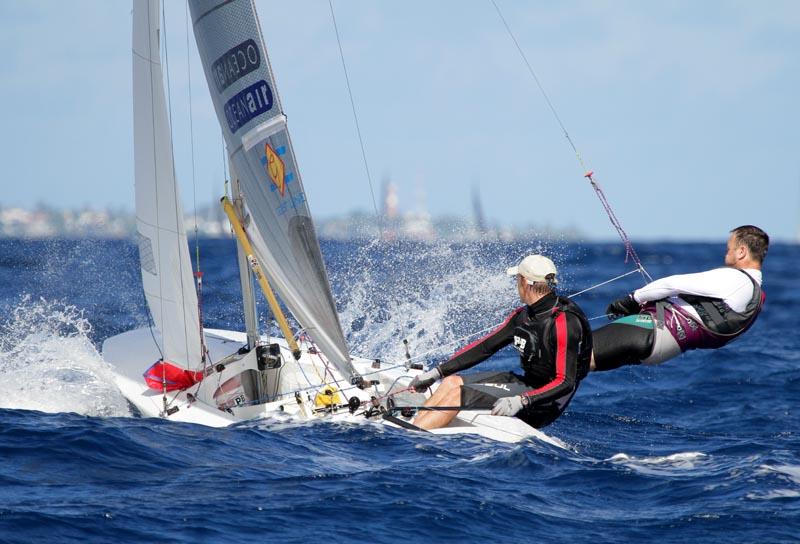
x,y
281,229
163,249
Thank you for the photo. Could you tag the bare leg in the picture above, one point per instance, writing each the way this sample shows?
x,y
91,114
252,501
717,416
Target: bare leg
x,y
448,394
592,366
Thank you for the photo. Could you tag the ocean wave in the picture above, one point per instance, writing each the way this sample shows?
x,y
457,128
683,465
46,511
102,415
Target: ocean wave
x,y
788,482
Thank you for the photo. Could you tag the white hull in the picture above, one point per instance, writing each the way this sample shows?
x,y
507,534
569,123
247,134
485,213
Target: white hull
x,y
131,353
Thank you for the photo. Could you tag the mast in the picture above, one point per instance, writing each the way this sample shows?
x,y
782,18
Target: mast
x,y
245,276
252,260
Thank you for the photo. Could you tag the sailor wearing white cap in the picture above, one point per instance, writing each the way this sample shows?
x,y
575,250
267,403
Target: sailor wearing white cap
x,y
535,268
554,343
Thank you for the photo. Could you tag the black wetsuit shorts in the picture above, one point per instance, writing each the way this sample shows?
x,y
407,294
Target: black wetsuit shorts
x,y
482,389
626,341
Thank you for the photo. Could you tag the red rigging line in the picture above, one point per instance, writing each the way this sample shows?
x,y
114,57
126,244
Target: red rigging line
x,y
629,251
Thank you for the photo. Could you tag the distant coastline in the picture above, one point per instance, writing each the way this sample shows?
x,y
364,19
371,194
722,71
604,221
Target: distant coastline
x,y
43,222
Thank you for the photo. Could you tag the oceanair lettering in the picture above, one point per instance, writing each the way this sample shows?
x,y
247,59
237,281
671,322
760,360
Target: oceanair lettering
x,y
236,63
248,104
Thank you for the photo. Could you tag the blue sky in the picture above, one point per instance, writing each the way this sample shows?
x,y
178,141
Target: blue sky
x,y
686,111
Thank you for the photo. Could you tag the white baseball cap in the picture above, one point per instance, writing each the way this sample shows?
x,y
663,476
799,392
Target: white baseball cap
x,y
535,268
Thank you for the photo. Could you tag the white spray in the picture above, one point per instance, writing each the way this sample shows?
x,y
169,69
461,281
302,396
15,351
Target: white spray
x,y
48,362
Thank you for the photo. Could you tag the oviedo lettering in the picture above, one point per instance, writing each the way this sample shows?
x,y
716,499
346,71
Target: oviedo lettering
x,y
248,104
236,63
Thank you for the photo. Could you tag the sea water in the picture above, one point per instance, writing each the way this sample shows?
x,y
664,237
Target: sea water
x,y
702,448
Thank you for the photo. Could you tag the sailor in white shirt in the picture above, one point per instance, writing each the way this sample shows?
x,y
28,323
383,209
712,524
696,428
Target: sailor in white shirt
x,y
671,315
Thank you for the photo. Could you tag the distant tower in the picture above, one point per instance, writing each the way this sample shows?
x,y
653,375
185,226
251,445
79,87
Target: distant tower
x,y
390,200
477,210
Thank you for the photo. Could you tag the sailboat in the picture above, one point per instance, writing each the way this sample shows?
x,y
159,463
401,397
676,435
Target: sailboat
x,y
178,370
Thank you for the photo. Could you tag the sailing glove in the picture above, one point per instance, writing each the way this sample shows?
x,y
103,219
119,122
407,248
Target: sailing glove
x,y
626,305
509,406
423,381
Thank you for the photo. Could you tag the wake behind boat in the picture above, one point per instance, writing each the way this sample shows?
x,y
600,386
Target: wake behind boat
x,y
178,370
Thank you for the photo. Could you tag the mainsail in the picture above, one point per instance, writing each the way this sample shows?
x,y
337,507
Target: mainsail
x,y
249,110
163,249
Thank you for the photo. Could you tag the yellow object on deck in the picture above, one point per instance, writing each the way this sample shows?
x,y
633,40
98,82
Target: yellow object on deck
x,y
327,397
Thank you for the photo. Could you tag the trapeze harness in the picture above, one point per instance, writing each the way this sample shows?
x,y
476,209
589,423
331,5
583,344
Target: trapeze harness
x,y
663,330
719,322
554,341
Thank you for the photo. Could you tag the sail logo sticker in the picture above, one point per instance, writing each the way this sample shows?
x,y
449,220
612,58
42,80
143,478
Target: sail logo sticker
x,y
236,63
248,104
294,203
275,168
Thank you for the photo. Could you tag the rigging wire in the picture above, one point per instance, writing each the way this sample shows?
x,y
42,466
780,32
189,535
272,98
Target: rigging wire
x,y
150,317
355,117
628,273
630,252
169,106
175,184
198,272
191,134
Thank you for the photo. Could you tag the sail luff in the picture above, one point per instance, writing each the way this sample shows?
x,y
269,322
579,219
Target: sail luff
x,y
163,249
281,230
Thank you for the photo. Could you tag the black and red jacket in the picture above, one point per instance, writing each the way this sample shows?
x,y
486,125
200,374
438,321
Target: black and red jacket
x,y
557,343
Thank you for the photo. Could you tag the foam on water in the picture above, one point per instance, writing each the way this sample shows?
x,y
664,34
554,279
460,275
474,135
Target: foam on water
x,y
787,478
48,363
661,464
790,472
